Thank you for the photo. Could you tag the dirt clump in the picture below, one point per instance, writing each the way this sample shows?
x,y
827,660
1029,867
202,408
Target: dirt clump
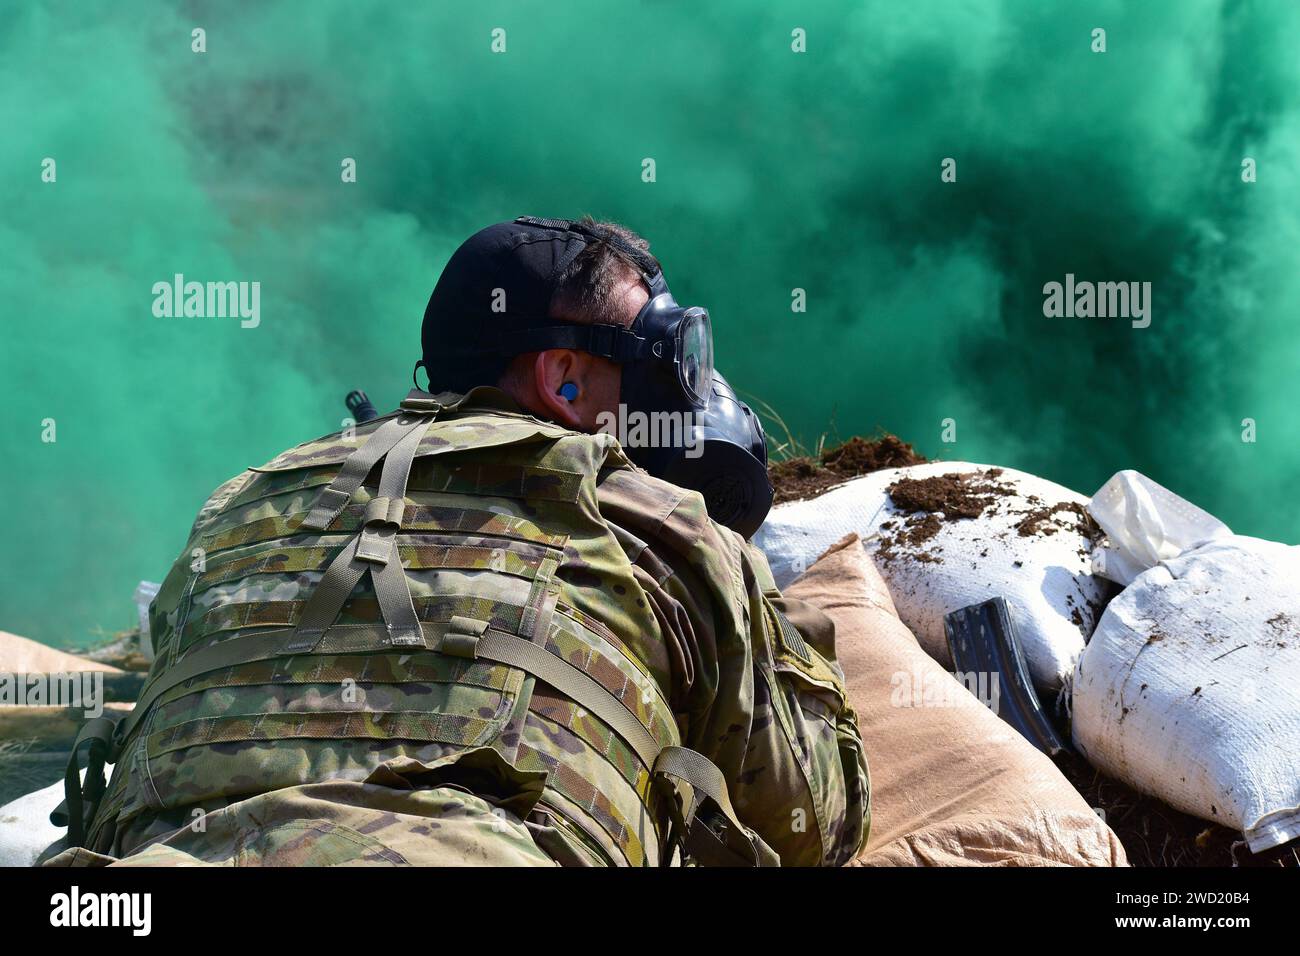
x,y
1281,623
924,500
806,477
858,456
955,495
911,535
1045,521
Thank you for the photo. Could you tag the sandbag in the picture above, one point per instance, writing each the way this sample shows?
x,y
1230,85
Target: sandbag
x,y
19,655
951,783
1029,543
1190,687
25,827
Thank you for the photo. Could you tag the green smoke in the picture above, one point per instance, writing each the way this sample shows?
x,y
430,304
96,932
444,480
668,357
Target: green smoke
x,y
775,171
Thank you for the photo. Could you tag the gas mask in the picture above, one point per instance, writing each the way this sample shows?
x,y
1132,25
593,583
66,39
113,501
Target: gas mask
x,y
725,460
711,442
671,367
719,449
693,430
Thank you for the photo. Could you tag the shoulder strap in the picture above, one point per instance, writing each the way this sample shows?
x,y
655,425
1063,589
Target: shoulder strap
x,y
81,801
374,549
711,833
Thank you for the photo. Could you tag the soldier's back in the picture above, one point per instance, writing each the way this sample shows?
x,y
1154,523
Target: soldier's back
x,y
320,629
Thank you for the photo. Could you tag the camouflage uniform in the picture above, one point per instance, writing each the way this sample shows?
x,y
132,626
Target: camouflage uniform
x,y
349,751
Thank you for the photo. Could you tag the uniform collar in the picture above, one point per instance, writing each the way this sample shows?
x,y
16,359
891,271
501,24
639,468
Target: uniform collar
x,y
480,396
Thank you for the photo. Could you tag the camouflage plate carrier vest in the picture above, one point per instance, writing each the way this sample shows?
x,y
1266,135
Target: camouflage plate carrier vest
x,y
396,596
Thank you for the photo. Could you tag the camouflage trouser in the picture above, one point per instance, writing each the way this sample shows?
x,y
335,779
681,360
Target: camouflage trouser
x,y
342,823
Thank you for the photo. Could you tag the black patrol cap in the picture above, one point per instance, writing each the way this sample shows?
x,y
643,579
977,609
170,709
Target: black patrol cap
x,y
498,283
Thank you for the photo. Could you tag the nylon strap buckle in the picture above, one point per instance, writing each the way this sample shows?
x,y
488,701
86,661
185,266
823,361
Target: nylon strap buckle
x,y
462,637
425,406
379,525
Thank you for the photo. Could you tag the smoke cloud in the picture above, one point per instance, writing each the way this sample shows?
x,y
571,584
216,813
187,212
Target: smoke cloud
x,y
774,171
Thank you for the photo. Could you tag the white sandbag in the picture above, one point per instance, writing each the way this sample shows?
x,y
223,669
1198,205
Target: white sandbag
x,y
1190,687
1028,546
25,827
1145,524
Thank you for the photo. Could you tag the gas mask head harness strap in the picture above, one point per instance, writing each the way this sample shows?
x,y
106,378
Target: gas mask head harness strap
x,y
666,354
676,342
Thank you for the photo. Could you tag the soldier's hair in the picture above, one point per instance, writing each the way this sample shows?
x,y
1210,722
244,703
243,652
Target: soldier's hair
x,y
586,291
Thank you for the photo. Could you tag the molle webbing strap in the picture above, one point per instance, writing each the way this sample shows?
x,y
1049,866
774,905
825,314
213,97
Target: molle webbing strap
x,y
335,497
470,638
429,519
463,637
252,615
537,614
339,580
703,815
723,842
383,518
395,604
195,664
374,549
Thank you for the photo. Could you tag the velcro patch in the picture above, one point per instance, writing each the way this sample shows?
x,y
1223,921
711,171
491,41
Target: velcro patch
x,y
791,639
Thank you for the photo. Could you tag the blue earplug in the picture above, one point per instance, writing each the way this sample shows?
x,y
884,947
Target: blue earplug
x,y
568,391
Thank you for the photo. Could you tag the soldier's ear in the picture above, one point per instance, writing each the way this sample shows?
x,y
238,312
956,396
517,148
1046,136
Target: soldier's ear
x,y
553,370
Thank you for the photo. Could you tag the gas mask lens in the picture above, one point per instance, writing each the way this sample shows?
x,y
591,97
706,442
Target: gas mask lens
x,y
695,355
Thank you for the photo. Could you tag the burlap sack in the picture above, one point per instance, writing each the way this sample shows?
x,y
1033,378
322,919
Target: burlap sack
x,y
951,783
19,655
